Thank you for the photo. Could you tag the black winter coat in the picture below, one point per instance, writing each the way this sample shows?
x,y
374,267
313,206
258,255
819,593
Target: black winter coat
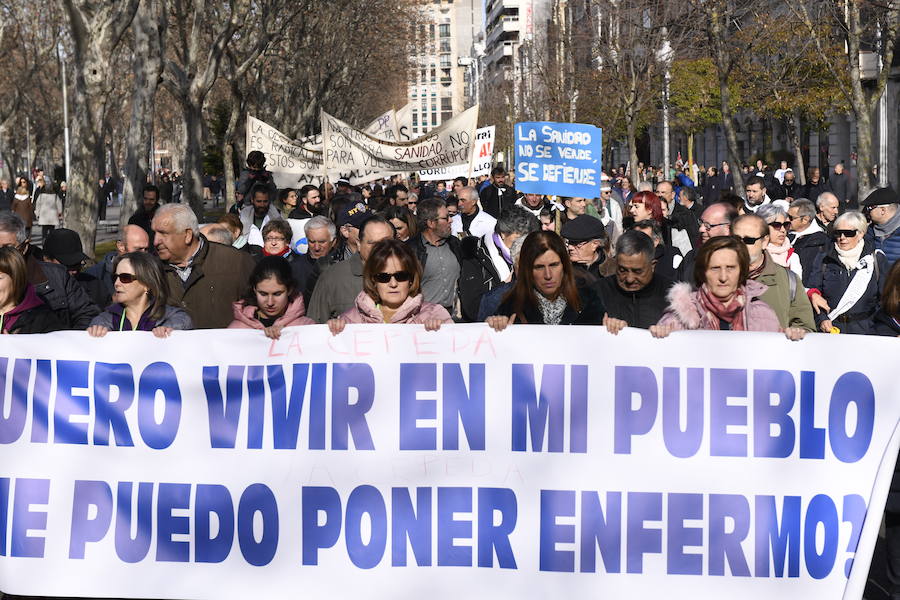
x,y
831,278
40,319
591,312
477,276
493,202
61,293
639,309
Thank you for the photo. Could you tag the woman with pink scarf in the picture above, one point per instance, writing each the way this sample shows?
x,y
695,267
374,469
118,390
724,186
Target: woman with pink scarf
x,y
780,248
724,298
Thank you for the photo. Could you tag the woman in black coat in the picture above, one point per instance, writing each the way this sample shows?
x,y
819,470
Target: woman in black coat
x,y
887,319
546,290
847,264
21,310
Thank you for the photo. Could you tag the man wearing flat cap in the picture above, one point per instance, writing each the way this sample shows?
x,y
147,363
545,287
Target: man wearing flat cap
x,y
585,238
883,208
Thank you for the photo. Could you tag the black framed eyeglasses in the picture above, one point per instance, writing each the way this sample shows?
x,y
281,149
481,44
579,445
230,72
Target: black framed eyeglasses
x,y
780,225
400,276
705,225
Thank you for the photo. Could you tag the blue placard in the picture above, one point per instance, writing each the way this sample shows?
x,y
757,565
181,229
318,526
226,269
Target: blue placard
x,y
562,159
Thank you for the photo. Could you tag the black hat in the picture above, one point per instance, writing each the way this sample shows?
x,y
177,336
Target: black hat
x,y
353,215
583,228
64,245
881,196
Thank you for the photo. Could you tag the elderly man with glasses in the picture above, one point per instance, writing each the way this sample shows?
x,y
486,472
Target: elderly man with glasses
x,y
785,293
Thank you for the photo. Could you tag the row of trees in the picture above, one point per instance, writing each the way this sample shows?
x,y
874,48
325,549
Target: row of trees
x,y
145,69
604,61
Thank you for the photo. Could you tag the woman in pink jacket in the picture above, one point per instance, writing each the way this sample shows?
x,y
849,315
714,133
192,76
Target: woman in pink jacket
x,y
272,301
391,291
725,298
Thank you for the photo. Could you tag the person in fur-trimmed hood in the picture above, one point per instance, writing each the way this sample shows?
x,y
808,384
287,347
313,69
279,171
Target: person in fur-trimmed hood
x,y
724,298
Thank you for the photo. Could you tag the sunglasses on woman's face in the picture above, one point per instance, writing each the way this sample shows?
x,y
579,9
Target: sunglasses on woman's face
x,y
780,224
125,277
400,276
839,233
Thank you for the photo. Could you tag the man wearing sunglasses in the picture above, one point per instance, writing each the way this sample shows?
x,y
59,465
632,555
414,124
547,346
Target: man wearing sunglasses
x,y
785,295
883,208
51,282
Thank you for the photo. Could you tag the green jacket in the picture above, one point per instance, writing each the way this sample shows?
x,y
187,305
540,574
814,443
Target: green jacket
x,y
793,311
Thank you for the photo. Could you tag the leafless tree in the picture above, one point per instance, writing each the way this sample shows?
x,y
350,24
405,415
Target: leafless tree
x,y
96,28
148,50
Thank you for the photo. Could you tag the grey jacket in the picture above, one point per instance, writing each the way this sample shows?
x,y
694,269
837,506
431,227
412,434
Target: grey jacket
x,y
336,290
174,317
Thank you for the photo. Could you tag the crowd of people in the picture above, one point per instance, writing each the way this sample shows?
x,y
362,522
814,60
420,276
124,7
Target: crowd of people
x,y
661,257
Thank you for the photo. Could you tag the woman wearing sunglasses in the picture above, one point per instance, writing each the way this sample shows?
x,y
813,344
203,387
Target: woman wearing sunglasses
x,y
140,299
847,278
779,247
391,291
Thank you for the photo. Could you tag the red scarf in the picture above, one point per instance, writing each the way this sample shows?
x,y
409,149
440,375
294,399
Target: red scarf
x,y
732,313
283,254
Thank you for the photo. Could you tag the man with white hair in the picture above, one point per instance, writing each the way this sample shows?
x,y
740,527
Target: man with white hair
x,y
827,208
204,278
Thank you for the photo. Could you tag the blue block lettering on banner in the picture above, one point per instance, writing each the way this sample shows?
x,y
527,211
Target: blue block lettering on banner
x,y
558,158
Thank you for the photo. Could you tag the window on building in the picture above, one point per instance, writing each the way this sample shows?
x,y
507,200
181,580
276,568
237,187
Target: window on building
x,y
445,45
445,61
446,103
434,119
446,116
444,30
415,119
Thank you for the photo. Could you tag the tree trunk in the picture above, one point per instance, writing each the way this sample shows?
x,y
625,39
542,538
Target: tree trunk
x,y
147,65
229,142
192,177
864,155
794,129
690,140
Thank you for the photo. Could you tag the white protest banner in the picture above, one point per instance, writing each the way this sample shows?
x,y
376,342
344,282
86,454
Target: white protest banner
x,y
482,162
404,123
387,461
347,148
295,163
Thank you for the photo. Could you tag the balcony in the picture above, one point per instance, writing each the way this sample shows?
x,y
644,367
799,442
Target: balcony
x,y
498,7
506,27
501,53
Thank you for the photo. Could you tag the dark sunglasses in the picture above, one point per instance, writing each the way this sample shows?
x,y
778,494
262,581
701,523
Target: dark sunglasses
x,y
124,277
780,224
400,276
838,233
749,240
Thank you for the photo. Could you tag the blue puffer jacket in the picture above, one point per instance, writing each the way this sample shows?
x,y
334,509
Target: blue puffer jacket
x,y
831,278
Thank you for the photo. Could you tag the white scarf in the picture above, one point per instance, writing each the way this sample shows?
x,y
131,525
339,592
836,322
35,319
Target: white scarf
x,y
850,258
865,270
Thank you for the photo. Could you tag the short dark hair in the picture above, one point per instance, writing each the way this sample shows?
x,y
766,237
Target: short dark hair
x,y
151,188
306,189
260,189
653,226
256,160
462,180
267,268
279,226
427,210
714,244
376,218
634,242
756,180
689,192
498,170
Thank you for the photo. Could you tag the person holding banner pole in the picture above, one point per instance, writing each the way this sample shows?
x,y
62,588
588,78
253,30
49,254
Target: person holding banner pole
x,y
141,300
546,290
272,300
725,298
392,291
